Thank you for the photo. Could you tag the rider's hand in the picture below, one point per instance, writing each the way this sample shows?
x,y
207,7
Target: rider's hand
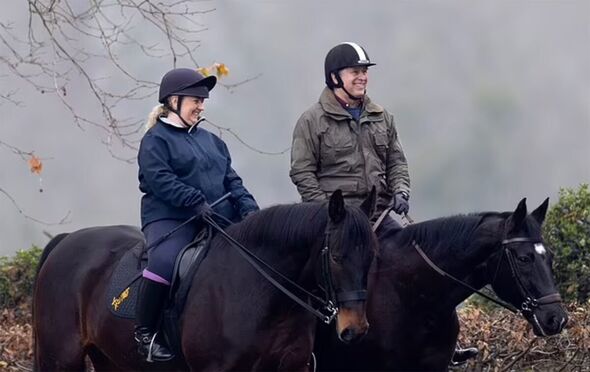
x,y
399,203
250,212
204,209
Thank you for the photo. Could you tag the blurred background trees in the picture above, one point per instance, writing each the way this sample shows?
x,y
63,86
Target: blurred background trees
x,y
567,230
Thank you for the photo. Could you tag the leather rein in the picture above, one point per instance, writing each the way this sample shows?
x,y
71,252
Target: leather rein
x,y
528,305
327,309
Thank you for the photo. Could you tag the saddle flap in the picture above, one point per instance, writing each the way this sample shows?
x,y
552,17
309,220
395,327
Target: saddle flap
x,y
122,292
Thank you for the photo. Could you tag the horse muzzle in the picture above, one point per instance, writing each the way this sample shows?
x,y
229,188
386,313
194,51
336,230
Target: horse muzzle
x,y
352,324
547,320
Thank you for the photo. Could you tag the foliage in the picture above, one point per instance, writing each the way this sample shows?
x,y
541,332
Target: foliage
x,y
507,343
567,230
505,340
17,275
16,346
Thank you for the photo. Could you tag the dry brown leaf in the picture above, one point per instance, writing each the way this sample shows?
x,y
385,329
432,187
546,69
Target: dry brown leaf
x,y
35,164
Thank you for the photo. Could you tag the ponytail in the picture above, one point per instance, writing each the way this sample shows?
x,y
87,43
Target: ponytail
x,y
157,112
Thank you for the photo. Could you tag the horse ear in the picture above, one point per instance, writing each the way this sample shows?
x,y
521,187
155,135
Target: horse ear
x,y
368,206
539,213
336,209
517,217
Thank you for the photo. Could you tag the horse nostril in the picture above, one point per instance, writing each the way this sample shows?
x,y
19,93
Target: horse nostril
x,y
557,323
348,335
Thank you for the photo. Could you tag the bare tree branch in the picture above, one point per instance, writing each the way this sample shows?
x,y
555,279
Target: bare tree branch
x,y
222,129
64,219
89,49
65,40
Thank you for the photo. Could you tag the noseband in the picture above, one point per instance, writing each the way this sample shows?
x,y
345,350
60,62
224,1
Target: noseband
x,y
530,303
333,297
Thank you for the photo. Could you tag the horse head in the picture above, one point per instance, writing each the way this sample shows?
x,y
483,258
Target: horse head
x,y
347,256
521,271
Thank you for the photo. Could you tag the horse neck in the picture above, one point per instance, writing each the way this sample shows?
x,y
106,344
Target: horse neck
x,y
292,251
461,260
472,268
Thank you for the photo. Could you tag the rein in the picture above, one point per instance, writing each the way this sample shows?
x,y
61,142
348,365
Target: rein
x,y
460,282
166,236
328,310
529,304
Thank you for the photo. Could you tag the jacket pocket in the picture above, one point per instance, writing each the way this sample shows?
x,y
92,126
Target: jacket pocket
x,y
331,185
337,145
381,144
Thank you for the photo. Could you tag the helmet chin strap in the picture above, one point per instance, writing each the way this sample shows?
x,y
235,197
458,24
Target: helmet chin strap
x,y
353,97
177,111
341,85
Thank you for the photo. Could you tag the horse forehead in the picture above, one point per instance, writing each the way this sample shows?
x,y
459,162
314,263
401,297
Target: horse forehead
x,y
350,237
540,248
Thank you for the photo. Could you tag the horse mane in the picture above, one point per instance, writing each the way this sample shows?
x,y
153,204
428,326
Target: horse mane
x,y
446,234
283,226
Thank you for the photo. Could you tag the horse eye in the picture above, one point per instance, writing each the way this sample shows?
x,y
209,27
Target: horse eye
x,y
524,259
337,259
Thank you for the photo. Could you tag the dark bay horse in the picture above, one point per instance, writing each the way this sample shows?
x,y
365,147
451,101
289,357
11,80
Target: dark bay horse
x,y
234,319
411,307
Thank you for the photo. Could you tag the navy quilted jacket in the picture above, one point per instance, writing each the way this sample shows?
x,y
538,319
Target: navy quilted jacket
x,y
179,169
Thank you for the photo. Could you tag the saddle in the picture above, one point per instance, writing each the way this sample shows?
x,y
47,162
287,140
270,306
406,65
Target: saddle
x,y
122,293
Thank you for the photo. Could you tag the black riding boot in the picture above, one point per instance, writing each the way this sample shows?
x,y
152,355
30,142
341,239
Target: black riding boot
x,y
461,355
151,299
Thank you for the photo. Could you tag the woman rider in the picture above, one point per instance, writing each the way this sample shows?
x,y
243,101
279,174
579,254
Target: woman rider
x,y
182,168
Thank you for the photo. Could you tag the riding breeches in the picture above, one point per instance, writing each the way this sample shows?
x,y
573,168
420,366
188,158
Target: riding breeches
x,y
161,258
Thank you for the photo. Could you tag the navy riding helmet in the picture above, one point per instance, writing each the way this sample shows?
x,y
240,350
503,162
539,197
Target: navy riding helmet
x,y
185,82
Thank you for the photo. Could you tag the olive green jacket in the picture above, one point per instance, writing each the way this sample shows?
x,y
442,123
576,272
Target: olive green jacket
x,y
332,151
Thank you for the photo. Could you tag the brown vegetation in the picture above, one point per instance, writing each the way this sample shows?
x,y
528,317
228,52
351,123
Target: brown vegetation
x,y
506,341
16,352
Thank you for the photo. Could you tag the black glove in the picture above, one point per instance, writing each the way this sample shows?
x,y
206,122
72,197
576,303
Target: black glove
x,y
204,209
250,212
399,203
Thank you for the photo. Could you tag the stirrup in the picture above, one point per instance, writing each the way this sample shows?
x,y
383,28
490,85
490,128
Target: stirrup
x,y
149,356
464,353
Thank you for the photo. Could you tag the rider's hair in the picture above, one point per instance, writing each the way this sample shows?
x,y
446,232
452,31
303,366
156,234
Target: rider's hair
x,y
157,112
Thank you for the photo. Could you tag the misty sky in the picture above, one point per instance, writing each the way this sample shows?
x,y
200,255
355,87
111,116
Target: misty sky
x,y
491,100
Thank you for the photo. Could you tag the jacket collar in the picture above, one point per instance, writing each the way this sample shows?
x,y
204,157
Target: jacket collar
x,y
165,120
333,108
190,129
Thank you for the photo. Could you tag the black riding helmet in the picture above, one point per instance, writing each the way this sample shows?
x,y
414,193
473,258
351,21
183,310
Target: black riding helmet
x,y
184,82
342,56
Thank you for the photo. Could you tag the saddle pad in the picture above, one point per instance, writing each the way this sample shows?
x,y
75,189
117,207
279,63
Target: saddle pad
x,y
122,293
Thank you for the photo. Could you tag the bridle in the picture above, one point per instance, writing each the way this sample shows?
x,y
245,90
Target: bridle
x,y
327,279
529,304
327,309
